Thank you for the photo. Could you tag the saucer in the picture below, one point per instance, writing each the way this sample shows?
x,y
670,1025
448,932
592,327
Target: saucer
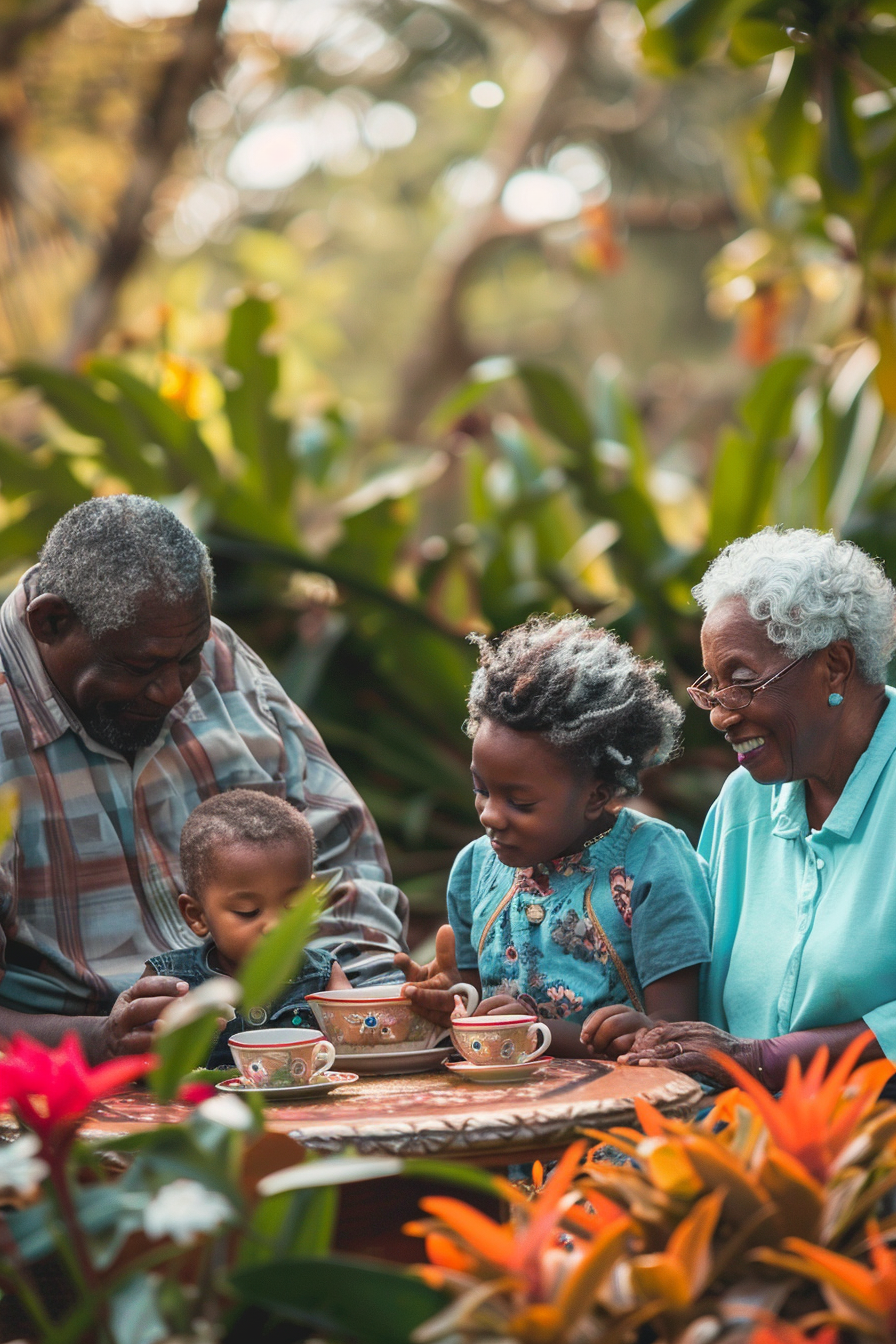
x,y
329,1080
396,1061
496,1073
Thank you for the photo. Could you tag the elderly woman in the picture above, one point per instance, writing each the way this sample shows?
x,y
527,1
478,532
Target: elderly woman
x,y
801,843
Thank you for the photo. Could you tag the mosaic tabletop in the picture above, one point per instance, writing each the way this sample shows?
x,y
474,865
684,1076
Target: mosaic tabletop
x,y
436,1113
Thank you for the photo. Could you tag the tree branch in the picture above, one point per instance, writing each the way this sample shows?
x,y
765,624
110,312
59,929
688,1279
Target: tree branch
x,y
442,352
16,31
162,129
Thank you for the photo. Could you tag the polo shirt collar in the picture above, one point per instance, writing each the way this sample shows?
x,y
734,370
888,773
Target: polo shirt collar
x,y
789,802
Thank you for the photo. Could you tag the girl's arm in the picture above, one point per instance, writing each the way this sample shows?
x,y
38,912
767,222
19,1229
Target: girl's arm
x,y
672,998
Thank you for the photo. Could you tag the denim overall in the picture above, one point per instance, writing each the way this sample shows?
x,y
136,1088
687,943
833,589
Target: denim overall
x,y
288,1010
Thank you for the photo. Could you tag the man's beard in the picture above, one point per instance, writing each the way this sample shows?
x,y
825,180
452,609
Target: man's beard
x,y
126,738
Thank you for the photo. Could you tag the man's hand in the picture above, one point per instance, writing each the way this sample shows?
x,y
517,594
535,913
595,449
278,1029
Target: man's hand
x,y
612,1030
427,986
128,1030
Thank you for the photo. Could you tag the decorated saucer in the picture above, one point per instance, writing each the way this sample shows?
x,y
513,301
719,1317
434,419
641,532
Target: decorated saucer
x,y
328,1081
396,1061
496,1073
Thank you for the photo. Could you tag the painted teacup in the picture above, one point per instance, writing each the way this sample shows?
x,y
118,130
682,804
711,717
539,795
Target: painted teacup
x,y
508,1039
379,1018
281,1056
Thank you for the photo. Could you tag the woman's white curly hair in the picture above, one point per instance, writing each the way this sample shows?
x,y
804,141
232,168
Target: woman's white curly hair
x,y
808,589
583,689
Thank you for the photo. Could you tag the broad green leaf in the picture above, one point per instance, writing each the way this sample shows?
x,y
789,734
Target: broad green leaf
x,y
880,224
189,460
45,472
752,39
134,1316
556,407
342,1297
259,435
789,138
278,955
90,414
182,1050
289,1226
878,50
841,160
748,460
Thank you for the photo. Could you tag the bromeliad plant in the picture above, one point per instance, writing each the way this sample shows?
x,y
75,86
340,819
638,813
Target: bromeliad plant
x,y
768,1217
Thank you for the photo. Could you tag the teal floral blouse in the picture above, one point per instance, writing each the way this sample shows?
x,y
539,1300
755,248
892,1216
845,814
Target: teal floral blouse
x,y
585,930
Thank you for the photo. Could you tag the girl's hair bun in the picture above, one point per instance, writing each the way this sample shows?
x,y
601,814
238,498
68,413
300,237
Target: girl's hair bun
x,y
583,690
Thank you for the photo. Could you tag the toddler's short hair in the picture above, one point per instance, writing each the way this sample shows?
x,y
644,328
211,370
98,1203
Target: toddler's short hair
x,y
241,816
583,690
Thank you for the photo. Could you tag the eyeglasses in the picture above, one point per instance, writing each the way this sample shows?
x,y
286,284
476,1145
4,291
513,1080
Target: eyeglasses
x,y
733,697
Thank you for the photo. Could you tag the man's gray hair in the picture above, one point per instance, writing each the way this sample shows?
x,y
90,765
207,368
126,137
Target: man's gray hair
x,y
104,555
809,589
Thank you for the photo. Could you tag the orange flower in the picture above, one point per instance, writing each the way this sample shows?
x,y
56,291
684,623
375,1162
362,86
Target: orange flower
x,y
815,1116
758,326
181,381
862,1298
599,250
524,1252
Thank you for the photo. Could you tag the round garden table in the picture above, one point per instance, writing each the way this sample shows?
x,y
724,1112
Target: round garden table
x,y
429,1114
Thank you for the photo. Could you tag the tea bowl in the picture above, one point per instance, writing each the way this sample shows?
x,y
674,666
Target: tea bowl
x,y
281,1056
378,1018
507,1039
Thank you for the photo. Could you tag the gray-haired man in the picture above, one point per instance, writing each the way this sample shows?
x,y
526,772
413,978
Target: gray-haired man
x,y
123,704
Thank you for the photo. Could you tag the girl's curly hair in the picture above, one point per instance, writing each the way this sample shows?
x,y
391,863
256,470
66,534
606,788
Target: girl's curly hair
x,y
583,690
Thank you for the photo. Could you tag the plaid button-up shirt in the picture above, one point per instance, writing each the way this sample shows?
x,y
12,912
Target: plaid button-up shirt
x,y
88,888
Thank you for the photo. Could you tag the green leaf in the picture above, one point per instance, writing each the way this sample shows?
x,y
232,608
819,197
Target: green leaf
x,y
789,138
752,39
878,50
134,1316
81,407
747,461
260,436
348,1298
556,407
687,33
182,1050
879,231
278,955
289,1226
840,158
189,460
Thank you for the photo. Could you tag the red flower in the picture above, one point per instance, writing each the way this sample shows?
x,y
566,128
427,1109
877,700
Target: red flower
x,y
50,1089
192,1094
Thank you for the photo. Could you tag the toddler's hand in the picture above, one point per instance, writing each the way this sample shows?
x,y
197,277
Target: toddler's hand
x,y
612,1030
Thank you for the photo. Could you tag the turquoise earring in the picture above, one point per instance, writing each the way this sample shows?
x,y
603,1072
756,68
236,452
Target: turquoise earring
x,y
834,699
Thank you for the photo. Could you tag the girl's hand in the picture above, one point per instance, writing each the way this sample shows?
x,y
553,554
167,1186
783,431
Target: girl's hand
x,y
612,1030
685,1046
428,986
501,1004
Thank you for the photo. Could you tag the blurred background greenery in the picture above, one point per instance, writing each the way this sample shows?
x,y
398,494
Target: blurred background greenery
x,y
430,315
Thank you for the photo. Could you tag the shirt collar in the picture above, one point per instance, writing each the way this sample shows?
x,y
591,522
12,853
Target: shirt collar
x,y
44,714
789,801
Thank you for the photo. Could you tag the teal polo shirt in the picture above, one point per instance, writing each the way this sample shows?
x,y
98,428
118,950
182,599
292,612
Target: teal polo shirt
x,y
804,924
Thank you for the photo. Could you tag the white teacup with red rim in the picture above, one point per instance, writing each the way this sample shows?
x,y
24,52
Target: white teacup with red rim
x,y
281,1056
511,1038
379,1019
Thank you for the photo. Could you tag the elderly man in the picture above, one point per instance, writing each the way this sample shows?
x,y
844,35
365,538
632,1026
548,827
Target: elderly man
x,y
123,704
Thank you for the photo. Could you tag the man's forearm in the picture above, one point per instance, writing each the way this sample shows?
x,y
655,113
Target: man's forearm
x,y
51,1027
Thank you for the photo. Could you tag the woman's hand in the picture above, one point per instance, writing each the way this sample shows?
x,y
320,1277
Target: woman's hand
x,y
686,1046
612,1030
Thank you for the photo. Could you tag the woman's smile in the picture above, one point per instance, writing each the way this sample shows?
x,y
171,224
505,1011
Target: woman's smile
x,y
747,748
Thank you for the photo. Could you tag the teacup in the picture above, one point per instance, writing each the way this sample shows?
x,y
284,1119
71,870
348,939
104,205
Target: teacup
x,y
281,1056
508,1039
378,1018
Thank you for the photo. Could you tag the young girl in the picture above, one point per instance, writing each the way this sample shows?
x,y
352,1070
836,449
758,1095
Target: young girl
x,y
571,906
